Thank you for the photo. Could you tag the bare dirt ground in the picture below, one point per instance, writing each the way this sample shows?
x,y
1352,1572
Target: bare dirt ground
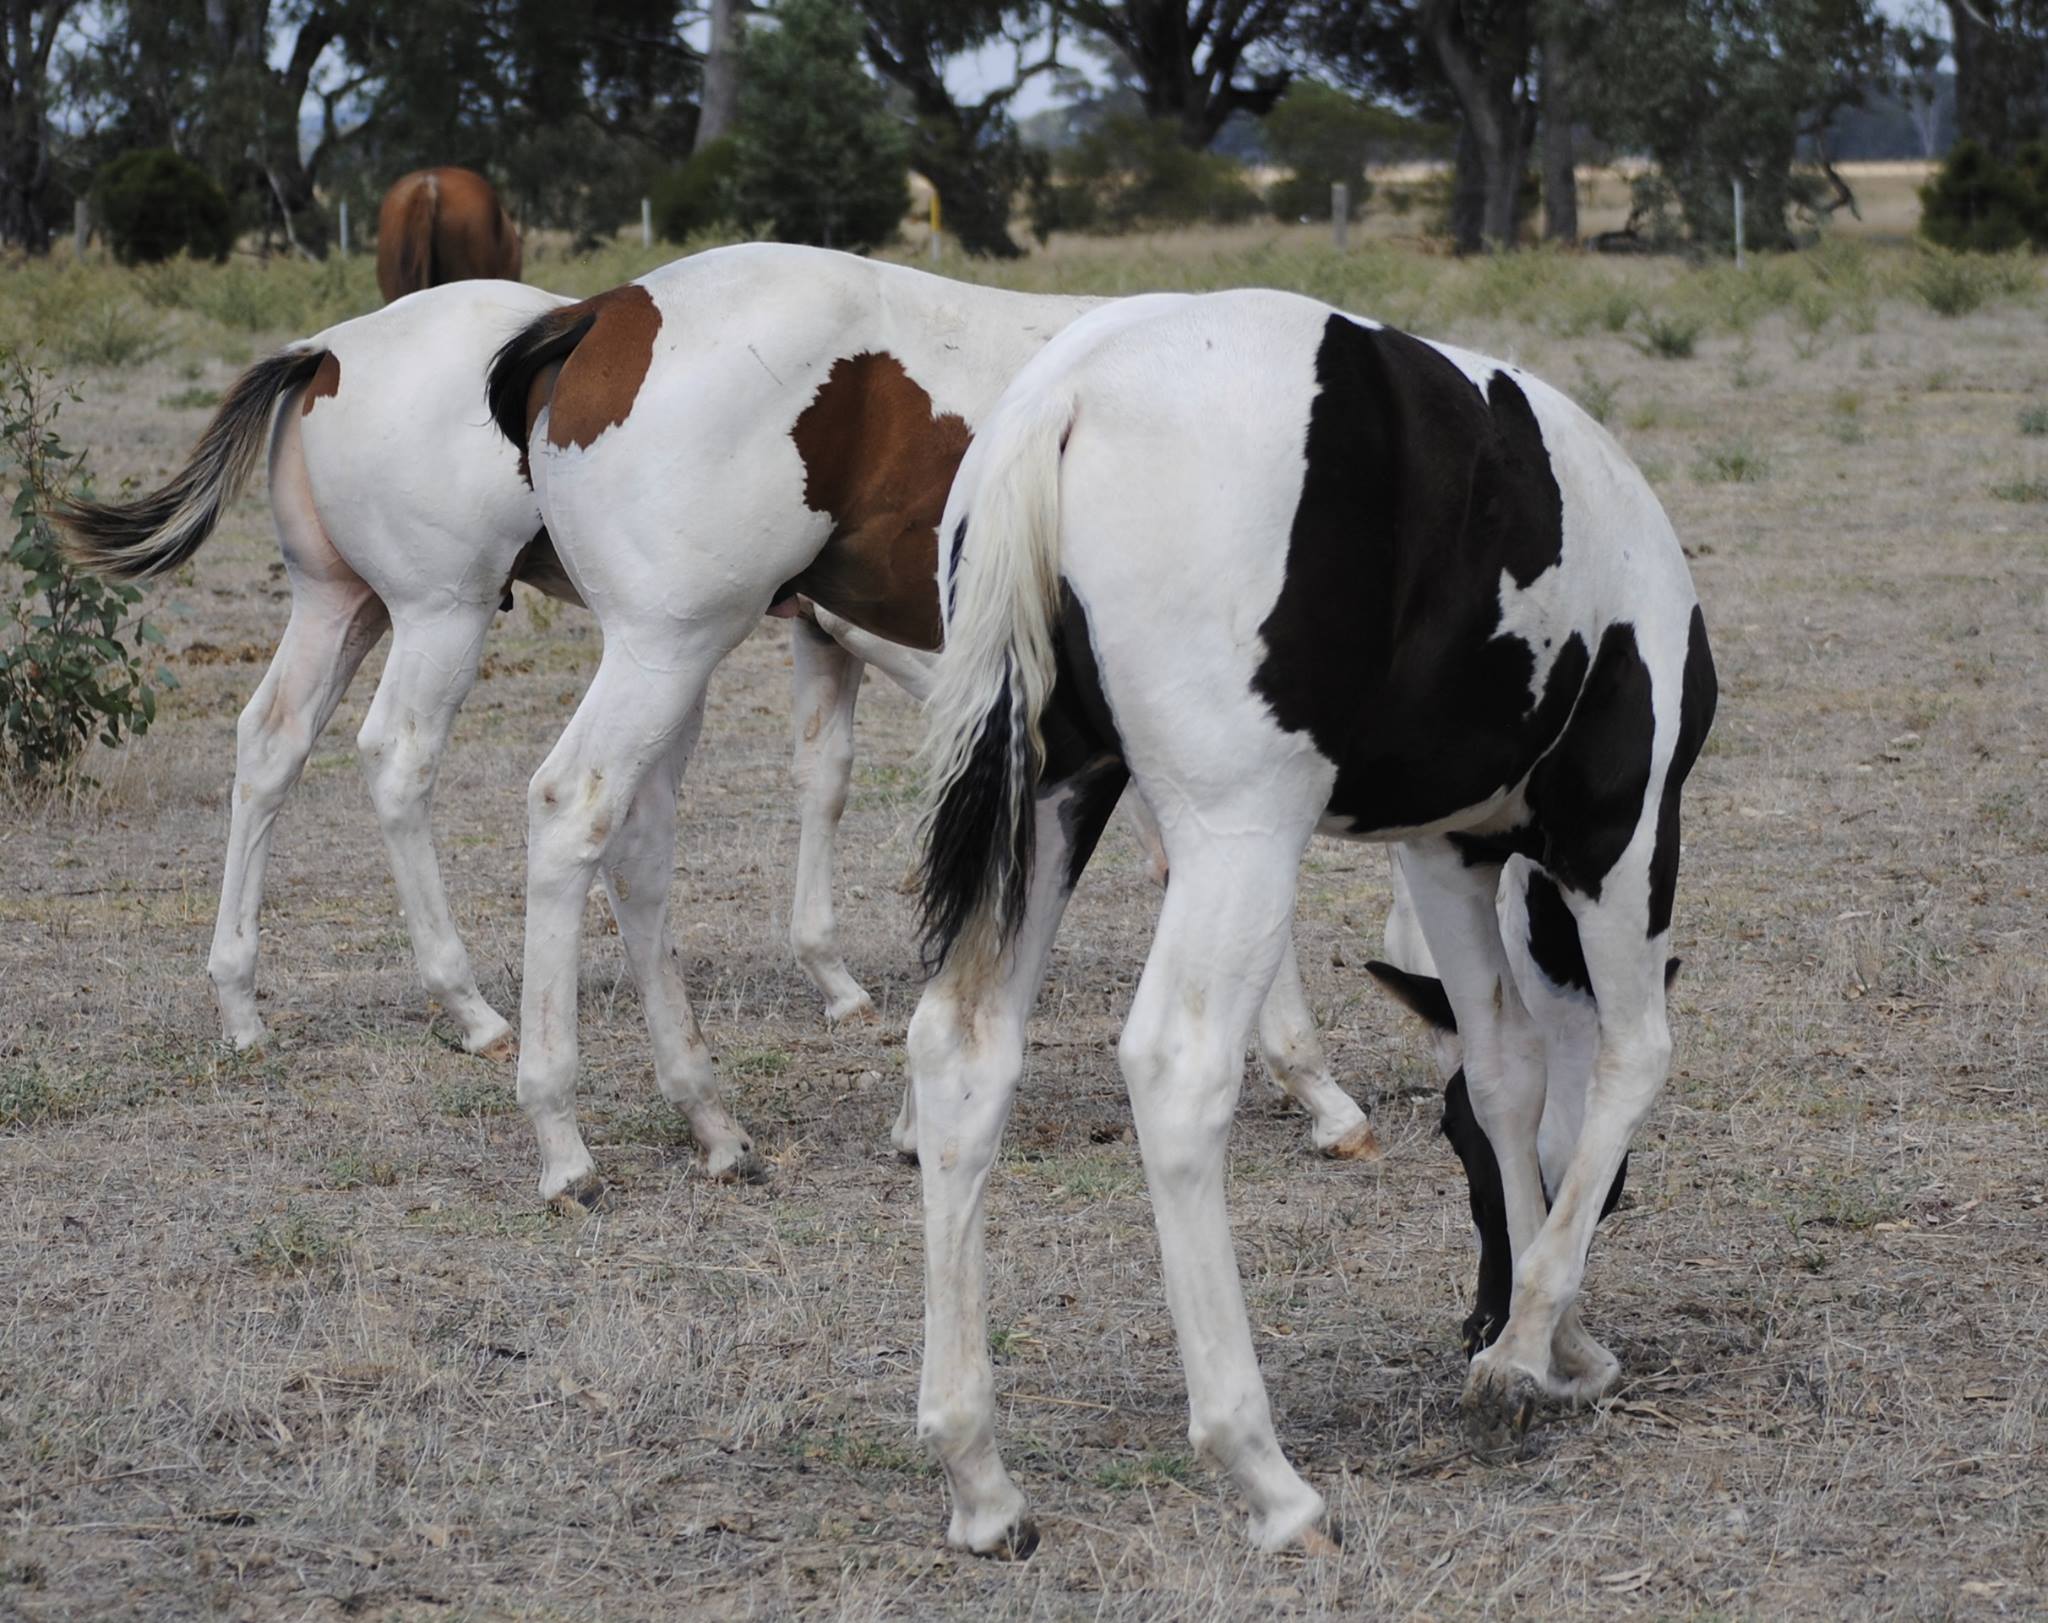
x,y
291,1336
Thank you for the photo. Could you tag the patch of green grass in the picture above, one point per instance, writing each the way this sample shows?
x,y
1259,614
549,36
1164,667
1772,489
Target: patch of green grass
x,y
353,1170
1731,462
862,1454
2032,488
192,399
2033,420
1670,336
475,1099
1085,1177
27,1097
757,1062
1147,1470
657,1123
294,1243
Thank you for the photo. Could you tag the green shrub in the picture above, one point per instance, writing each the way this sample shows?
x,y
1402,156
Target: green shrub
x,y
1133,173
819,157
1732,462
696,194
1976,202
1670,337
153,203
71,661
1952,284
1322,137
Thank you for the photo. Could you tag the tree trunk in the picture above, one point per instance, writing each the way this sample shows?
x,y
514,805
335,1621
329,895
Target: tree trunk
x,y
25,125
721,75
1560,172
1468,194
1978,115
1491,135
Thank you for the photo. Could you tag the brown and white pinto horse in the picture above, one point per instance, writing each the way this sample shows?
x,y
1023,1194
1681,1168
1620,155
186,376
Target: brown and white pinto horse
x,y
443,225
728,434
397,504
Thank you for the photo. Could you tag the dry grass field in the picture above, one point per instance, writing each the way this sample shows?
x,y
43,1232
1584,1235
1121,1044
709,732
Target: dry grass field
x,y
291,1337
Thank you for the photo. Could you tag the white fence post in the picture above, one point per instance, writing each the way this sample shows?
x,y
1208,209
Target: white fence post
x,y
1738,225
344,228
1340,213
646,222
81,227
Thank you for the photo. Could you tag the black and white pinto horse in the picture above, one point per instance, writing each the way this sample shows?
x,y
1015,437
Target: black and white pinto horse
x,y
1289,571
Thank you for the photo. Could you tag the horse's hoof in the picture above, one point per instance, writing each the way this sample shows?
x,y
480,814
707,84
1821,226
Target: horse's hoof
x,y
1360,1144
746,1166
500,1050
1499,1405
848,1011
584,1196
1322,1541
1015,1543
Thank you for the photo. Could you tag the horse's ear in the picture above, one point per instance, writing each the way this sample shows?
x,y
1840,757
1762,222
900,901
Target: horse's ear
x,y
1671,971
1422,994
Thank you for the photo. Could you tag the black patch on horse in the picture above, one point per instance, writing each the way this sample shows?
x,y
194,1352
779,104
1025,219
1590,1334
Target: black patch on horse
x,y
1587,793
1081,743
1554,936
1696,702
1383,646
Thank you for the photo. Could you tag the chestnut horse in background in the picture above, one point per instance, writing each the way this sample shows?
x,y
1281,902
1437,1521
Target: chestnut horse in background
x,y
443,225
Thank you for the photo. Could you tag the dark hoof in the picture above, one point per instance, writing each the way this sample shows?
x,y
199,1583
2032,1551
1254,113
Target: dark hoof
x,y
907,1157
1481,1330
1324,1540
1015,1545
747,1168
587,1194
1499,1413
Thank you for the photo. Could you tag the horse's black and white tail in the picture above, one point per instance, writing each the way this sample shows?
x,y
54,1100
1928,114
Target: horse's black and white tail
x,y
158,532
983,746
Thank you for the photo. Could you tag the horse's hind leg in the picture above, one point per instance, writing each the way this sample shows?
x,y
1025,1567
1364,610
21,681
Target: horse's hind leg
x,y
1300,1066
1222,935
334,622
825,682
429,672
639,870
1545,1350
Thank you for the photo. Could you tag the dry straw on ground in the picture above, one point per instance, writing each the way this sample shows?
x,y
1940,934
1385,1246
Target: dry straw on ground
x,y
291,1337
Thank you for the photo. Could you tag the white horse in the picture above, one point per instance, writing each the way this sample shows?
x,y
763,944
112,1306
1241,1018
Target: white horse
x,y
398,503
1289,571
730,434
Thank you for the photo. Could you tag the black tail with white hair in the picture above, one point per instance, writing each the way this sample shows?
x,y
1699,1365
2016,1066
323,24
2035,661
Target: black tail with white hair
x,y
158,532
984,745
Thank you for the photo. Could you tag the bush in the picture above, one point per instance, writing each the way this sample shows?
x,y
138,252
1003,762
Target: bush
x,y
1977,203
819,158
1322,136
71,662
696,194
1951,284
1132,173
152,203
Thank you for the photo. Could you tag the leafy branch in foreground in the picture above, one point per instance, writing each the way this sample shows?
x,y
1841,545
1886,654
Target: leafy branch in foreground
x,y
71,658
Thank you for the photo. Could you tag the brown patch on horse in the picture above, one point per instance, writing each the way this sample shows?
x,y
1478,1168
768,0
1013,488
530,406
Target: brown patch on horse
x,y
598,383
326,382
880,461
443,225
